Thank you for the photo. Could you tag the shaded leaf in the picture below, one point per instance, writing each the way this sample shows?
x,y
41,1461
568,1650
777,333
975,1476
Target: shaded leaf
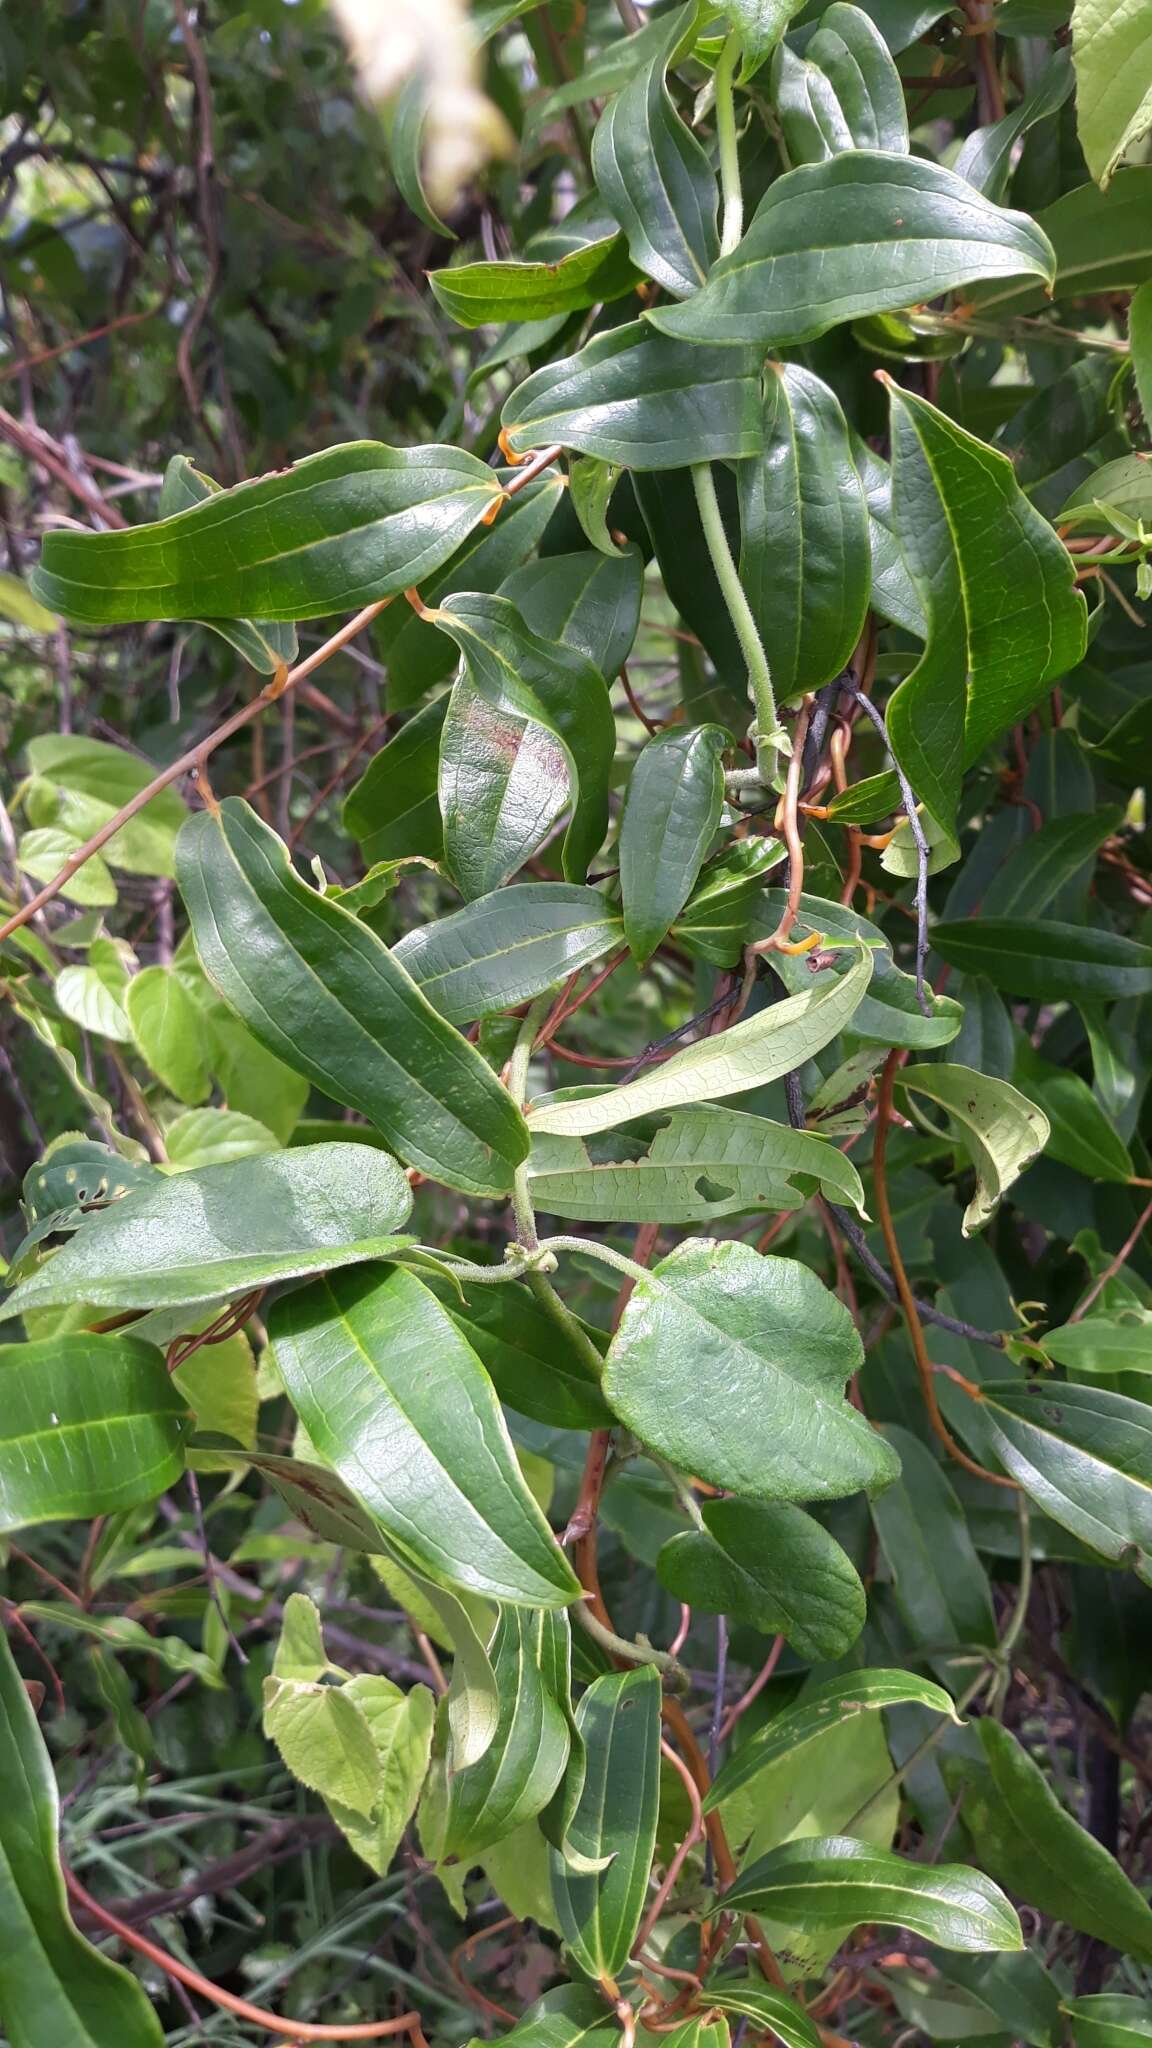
x,y
671,812
90,1424
599,1912
771,1565
823,1706
1084,1456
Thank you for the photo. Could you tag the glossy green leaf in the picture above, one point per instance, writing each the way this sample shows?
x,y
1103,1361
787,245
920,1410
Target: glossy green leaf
x,y
804,561
508,947
717,921
481,294
258,641
94,1424
529,732
862,233
1004,616
986,157
733,1366
638,398
888,1012
1080,1135
223,1230
535,1363
525,1761
841,1883
759,1049
671,812
823,1706
843,93
53,1985
1048,961
585,601
79,785
698,1164
1112,53
591,487
166,1027
1030,1843
463,1623
394,809
1122,487
894,595
571,2016
999,1128
600,1912
655,176
771,1565
1084,1455
770,2010
84,997
1103,1344
330,533
1035,873
406,150
1109,2019
1102,242
939,1585
318,989
400,1406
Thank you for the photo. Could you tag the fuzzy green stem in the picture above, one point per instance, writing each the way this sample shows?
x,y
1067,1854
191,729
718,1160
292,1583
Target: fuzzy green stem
x,y
732,221
597,1251
619,1646
769,732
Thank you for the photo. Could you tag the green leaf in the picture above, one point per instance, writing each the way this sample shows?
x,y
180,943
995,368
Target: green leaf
x,y
324,1740
406,150
770,2010
264,645
215,1137
571,2016
675,797
759,1049
481,294
599,1912
1035,873
529,730
508,947
1123,487
319,990
760,24
888,1013
823,1706
1030,1843
42,854
843,93
330,533
839,1883
524,1763
768,1564
584,601
733,1367
124,1634
400,1725
1085,1457
998,589
85,998
1102,242
672,517
18,604
166,1027
219,1384
314,1496
591,487
717,921
400,1406
655,176
700,1163
859,234
79,784
1080,1134
53,1985
394,810
94,1424
1103,1344
473,1702
1140,342
534,1362
1047,961
223,1230
805,560
638,398
1001,1130
300,1655
1109,2019
939,1585
1112,53
986,157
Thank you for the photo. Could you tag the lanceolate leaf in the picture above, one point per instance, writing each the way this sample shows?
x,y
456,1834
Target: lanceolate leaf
x,y
843,93
745,1056
508,947
769,1564
394,810
53,1985
671,812
805,560
401,1407
318,989
862,233
256,640
524,1763
1084,1455
223,1230
655,176
1032,1845
888,1013
1102,242
1036,872
535,1365
87,1425
1004,616
986,158
840,1883
599,1913
1102,1344
1000,1129
477,294
637,398
699,1163
770,2010
585,601
733,1366
329,533
822,1707
1049,961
